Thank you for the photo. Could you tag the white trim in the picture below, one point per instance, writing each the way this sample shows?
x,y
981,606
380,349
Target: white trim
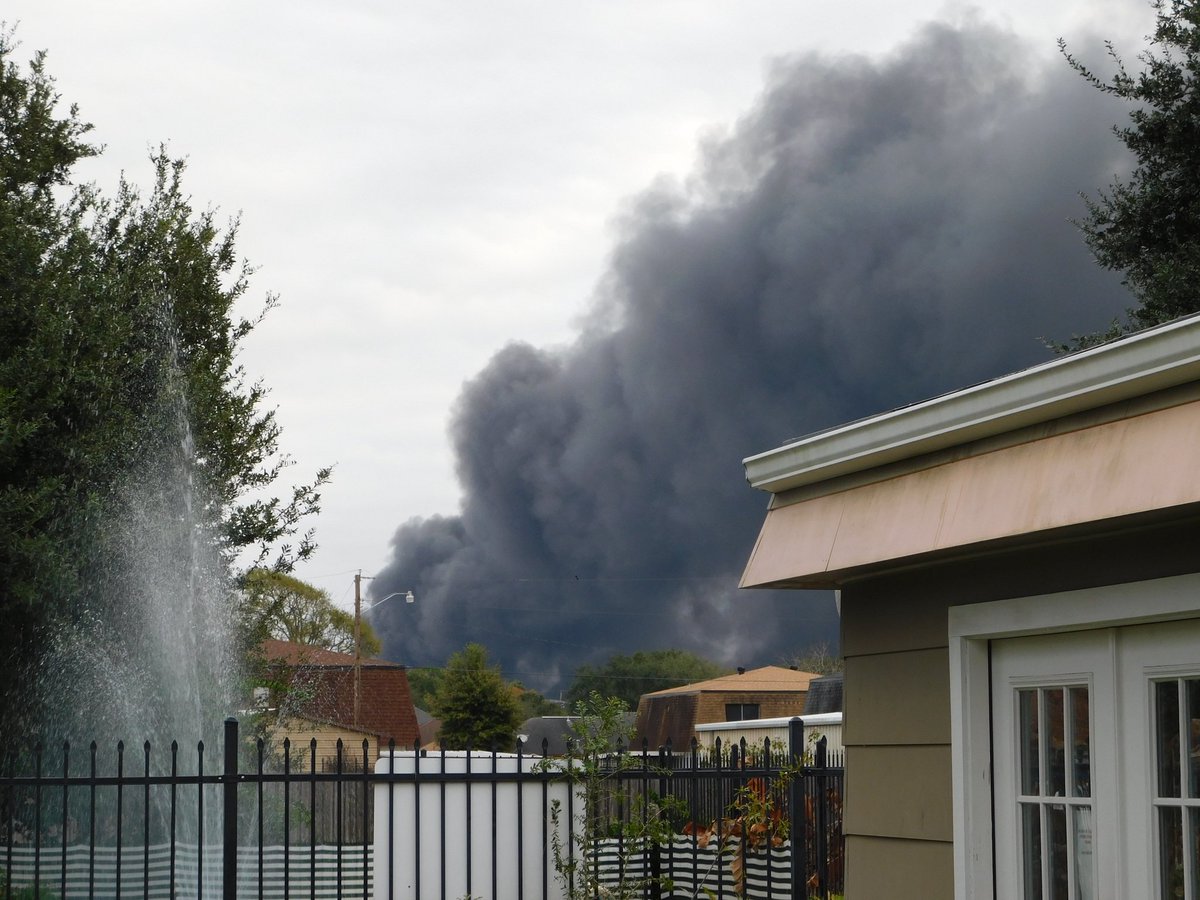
x,y
811,720
1151,360
970,629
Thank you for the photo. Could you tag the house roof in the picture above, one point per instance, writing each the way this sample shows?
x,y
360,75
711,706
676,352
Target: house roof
x,y
1150,360
758,681
385,703
1009,461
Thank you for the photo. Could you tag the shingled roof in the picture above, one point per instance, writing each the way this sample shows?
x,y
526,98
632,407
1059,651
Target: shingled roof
x,y
764,680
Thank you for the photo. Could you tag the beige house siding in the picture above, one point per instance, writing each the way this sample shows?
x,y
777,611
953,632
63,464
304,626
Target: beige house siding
x,y
301,732
897,813
901,713
897,734
890,868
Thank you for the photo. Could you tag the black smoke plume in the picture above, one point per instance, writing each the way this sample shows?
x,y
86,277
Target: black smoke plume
x,y
873,232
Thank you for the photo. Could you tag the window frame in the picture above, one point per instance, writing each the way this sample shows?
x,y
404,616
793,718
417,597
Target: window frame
x,y
970,629
741,708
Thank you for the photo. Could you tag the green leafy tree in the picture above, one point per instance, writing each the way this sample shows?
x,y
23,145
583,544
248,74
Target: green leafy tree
x,y
1148,225
119,335
534,704
477,707
593,774
423,685
280,606
628,677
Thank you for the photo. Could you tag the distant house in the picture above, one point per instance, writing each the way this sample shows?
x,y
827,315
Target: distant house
x,y
1019,567
673,714
315,699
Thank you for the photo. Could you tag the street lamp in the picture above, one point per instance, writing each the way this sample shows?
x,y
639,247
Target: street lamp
x,y
358,611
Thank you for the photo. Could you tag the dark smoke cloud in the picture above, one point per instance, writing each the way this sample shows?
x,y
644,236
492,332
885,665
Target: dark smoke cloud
x,y
874,232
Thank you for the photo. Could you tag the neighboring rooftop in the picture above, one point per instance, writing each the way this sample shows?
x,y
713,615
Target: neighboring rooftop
x,y
764,680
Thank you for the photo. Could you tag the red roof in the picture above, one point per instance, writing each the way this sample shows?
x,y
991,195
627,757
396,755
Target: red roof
x,y
327,678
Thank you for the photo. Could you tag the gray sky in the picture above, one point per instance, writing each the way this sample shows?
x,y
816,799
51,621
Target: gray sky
x,y
422,183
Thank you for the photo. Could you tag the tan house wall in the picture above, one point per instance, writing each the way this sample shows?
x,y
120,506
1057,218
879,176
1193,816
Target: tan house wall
x,y
898,815
301,732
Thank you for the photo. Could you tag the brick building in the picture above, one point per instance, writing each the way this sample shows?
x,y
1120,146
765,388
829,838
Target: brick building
x,y
314,698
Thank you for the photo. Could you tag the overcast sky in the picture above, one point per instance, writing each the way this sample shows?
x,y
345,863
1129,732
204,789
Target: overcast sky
x,y
423,183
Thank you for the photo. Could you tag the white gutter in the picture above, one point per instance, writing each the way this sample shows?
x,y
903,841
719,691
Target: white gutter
x,y
1148,361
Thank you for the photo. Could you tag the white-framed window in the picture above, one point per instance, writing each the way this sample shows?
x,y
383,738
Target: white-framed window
x,y
1176,734
1067,745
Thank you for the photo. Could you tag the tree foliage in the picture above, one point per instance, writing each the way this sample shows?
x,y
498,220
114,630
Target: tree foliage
x,y
118,350
593,773
278,605
477,707
534,704
423,685
628,677
1148,225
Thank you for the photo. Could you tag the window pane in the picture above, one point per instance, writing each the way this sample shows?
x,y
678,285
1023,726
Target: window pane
x,y
740,712
1170,853
1194,841
1085,873
1193,717
1166,718
1031,849
1081,755
1028,709
1056,744
1056,841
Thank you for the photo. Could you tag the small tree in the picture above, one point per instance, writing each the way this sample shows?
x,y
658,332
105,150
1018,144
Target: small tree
x,y
592,769
820,658
1148,226
476,706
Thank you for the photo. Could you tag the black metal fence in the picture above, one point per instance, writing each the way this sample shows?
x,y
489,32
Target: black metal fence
x,y
740,821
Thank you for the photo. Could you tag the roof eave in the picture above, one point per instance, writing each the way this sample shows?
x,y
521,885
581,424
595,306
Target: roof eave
x,y
1151,360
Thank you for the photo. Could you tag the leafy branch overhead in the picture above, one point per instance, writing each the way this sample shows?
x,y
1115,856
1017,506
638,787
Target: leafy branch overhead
x,y
1147,226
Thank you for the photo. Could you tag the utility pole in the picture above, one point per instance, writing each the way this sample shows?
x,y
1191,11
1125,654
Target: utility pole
x,y
408,598
357,647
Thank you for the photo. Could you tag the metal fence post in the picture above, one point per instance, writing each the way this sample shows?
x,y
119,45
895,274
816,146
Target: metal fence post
x,y
822,818
229,849
799,825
